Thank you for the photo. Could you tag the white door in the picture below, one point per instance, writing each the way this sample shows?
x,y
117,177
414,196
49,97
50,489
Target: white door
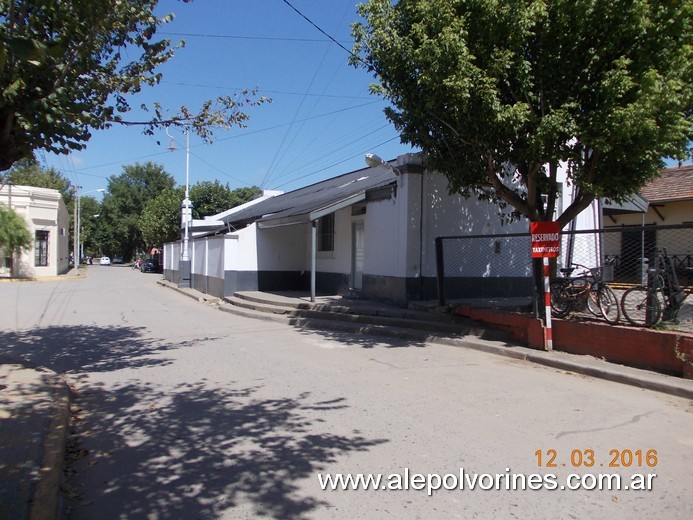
x,y
357,255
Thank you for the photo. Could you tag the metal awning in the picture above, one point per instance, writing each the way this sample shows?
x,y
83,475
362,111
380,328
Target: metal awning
x,y
631,204
277,220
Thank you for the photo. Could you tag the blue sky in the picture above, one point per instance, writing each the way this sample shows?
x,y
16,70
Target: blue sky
x,y
321,123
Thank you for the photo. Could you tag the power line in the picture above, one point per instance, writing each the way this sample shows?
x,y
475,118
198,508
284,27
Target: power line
x,y
309,94
336,163
319,29
340,148
237,37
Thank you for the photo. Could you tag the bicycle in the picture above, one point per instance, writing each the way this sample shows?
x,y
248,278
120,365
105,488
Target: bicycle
x,y
587,290
660,300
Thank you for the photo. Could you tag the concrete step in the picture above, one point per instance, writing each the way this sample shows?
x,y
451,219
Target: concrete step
x,y
396,323
345,305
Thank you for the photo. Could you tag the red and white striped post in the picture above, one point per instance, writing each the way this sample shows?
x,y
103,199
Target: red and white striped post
x,y
548,334
545,239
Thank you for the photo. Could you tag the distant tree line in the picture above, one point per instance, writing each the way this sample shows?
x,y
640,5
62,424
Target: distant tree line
x,y
140,209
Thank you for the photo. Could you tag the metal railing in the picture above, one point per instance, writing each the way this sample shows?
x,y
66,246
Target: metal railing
x,y
499,265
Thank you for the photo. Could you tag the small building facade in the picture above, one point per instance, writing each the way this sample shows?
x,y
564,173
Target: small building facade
x,y
48,221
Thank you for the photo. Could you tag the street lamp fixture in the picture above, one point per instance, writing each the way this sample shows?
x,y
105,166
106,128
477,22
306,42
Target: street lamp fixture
x,y
374,161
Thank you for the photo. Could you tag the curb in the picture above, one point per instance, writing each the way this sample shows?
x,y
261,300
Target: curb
x,y
69,276
585,365
44,499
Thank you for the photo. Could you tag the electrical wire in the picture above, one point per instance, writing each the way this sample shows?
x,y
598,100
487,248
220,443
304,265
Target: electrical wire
x,y
321,30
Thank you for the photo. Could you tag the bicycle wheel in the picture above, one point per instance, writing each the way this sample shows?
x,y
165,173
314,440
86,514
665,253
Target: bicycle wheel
x,y
560,304
608,304
641,307
593,302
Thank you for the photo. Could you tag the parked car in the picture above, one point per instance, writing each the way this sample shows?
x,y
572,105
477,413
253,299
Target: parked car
x,y
118,259
105,261
150,265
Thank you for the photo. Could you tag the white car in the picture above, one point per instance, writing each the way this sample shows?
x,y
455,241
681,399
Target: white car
x,y
105,261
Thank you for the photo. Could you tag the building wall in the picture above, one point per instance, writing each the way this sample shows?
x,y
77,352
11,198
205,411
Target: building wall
x,y
453,215
338,260
399,246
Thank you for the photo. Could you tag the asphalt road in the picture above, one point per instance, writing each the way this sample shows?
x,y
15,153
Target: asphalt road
x,y
182,411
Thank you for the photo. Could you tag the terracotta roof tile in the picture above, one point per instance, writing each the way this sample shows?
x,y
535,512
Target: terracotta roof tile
x,y
673,184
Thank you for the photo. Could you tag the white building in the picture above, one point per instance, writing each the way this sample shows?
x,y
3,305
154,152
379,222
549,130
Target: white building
x,y
48,221
371,232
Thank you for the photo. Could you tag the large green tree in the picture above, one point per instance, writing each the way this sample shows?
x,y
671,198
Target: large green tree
x,y
161,218
212,197
499,93
67,67
90,225
122,206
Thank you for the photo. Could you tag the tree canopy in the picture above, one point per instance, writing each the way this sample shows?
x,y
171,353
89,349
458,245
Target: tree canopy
x,y
67,68
126,197
499,93
209,198
161,218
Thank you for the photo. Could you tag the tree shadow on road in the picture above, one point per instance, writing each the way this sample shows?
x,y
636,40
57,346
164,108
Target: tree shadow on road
x,y
193,452
85,348
365,337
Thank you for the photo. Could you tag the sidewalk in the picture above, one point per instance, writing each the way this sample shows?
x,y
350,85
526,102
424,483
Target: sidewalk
x,y
34,415
34,420
70,274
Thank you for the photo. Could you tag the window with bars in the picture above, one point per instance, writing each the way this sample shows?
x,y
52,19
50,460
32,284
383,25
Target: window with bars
x,y
326,233
41,248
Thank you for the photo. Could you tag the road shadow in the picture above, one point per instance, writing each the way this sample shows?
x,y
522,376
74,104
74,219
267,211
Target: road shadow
x,y
369,336
194,452
86,348
366,337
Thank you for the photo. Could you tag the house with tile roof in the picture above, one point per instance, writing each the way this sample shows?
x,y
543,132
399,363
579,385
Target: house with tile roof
x,y
666,204
669,200
671,196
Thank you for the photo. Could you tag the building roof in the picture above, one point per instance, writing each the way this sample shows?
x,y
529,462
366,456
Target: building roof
x,y
19,190
673,184
312,202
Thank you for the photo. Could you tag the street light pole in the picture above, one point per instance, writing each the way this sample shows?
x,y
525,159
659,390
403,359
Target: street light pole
x,y
78,223
184,265
187,210
75,231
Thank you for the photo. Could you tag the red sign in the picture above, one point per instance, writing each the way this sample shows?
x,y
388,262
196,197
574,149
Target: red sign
x,y
546,239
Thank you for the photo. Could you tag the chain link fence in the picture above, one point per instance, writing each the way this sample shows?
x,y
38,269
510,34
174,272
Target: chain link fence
x,y
495,267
